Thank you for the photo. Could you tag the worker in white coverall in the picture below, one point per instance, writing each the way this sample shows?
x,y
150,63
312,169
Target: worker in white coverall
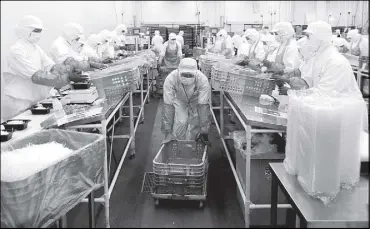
x,y
270,46
226,43
256,50
157,43
323,67
121,31
171,52
186,110
108,46
119,39
237,41
358,45
180,38
91,49
243,50
69,44
28,76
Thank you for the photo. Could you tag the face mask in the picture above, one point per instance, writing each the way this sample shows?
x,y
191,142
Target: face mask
x,y
279,38
76,46
187,81
34,37
313,43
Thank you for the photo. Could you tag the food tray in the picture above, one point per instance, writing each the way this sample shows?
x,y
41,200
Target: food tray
x,y
43,111
7,137
241,81
16,126
181,157
47,104
80,85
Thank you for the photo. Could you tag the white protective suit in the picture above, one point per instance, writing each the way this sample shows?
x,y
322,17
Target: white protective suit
x,y
359,45
271,47
157,42
186,110
69,44
107,50
256,50
244,47
237,41
330,70
25,59
287,53
171,52
180,38
121,31
224,44
90,49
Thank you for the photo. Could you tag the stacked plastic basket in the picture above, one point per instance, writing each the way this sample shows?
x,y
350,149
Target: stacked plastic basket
x,y
180,171
207,61
237,80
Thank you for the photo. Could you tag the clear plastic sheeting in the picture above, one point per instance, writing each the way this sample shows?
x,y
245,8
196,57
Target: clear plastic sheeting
x,y
324,141
44,197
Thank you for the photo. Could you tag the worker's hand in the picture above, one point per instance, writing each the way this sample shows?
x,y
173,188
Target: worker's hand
x,y
168,138
283,90
267,63
204,139
107,61
280,78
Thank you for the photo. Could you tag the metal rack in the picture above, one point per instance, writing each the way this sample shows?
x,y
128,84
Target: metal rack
x,y
247,125
107,129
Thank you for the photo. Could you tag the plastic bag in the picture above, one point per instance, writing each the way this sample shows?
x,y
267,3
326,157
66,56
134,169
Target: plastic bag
x,y
44,197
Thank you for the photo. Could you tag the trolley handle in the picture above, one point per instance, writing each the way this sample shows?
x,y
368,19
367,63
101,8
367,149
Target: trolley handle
x,y
173,180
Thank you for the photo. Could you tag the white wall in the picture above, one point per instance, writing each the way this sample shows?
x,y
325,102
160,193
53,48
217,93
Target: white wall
x,y
93,16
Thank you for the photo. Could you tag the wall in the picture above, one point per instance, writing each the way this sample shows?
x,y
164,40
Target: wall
x,y
93,16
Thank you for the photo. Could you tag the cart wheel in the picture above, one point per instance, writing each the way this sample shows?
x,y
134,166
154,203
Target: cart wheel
x,y
156,202
201,204
132,156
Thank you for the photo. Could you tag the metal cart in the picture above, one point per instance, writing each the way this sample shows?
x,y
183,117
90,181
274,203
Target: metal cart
x,y
180,172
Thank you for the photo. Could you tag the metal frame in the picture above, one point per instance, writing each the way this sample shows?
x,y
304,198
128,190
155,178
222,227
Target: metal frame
x,y
249,131
105,130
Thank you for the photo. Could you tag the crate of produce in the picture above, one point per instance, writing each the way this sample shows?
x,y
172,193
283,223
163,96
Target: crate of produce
x,y
182,158
207,61
61,168
115,81
238,80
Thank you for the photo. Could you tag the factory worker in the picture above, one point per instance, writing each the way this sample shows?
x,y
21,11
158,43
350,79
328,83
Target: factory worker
x,y
186,110
243,48
340,44
226,43
180,38
90,50
119,37
171,53
237,41
337,33
356,42
256,50
28,71
69,44
324,67
287,57
107,51
118,43
157,42
121,30
270,46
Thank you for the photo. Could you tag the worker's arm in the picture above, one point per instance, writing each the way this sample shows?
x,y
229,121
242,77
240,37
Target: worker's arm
x,y
46,78
168,113
20,64
163,52
291,59
47,62
78,65
204,103
364,47
179,49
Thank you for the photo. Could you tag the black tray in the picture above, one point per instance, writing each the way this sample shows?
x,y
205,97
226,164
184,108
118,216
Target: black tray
x,y
47,104
5,138
16,126
40,112
81,85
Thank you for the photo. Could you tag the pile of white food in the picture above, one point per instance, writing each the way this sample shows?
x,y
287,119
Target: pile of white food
x,y
15,122
39,107
22,163
2,127
4,133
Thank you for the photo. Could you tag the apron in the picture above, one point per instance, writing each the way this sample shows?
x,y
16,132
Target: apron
x,y
187,122
279,60
356,49
252,55
171,60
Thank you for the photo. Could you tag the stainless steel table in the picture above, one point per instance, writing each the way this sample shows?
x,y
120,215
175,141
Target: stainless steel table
x,y
246,109
350,208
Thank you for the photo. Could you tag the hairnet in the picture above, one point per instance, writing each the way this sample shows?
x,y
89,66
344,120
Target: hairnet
x,y
268,38
156,32
285,28
121,27
321,30
188,65
106,35
26,25
222,33
172,36
72,31
353,33
251,32
93,40
181,33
